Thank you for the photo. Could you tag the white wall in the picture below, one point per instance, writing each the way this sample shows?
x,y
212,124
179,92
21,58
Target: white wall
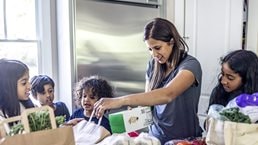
x,y
65,53
169,10
47,31
252,27
46,27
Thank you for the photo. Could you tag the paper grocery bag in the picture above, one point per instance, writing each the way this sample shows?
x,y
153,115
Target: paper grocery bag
x,y
54,136
59,136
240,133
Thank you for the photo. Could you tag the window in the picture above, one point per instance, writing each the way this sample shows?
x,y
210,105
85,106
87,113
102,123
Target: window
x,y
18,37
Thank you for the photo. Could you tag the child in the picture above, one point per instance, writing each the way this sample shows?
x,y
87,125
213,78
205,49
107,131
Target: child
x,y
42,89
239,74
89,90
14,88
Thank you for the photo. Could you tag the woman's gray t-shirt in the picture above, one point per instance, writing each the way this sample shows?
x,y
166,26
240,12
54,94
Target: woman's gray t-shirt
x,y
178,119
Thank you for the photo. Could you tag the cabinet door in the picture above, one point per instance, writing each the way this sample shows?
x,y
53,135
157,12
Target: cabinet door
x,y
211,29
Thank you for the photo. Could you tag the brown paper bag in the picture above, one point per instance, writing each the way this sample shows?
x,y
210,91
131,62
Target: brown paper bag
x,y
54,136
59,136
240,133
89,133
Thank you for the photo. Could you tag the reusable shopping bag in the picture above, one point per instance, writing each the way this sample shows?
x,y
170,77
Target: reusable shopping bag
x,y
240,133
231,133
215,132
54,136
89,133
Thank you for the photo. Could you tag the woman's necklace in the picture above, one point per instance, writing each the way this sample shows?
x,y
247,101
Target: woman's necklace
x,y
168,70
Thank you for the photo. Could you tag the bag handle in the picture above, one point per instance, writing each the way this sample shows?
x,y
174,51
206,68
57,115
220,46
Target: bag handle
x,y
100,119
4,127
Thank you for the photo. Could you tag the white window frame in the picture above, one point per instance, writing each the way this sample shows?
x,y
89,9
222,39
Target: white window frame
x,y
46,22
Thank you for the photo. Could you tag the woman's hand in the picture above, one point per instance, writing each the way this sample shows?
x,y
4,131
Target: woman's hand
x,y
105,104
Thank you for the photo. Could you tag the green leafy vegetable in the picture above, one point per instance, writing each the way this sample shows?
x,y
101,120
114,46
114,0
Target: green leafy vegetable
x,y
16,129
37,121
60,120
234,115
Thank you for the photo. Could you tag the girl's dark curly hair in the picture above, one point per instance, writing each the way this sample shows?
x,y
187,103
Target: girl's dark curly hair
x,y
99,87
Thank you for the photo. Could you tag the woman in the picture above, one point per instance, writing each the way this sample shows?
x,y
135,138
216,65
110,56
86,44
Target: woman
x,y
173,85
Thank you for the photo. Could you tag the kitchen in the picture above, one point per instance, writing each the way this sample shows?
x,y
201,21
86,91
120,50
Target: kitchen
x,y
75,49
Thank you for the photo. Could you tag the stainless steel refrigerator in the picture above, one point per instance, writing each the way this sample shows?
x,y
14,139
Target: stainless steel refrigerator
x,y
109,41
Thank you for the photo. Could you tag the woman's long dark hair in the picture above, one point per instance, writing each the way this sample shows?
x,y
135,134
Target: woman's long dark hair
x,y
164,30
245,63
11,71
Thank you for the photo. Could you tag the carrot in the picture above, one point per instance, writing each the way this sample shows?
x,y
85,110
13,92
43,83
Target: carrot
x,y
183,143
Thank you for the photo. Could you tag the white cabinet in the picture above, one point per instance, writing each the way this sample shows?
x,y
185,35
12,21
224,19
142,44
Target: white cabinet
x,y
211,28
